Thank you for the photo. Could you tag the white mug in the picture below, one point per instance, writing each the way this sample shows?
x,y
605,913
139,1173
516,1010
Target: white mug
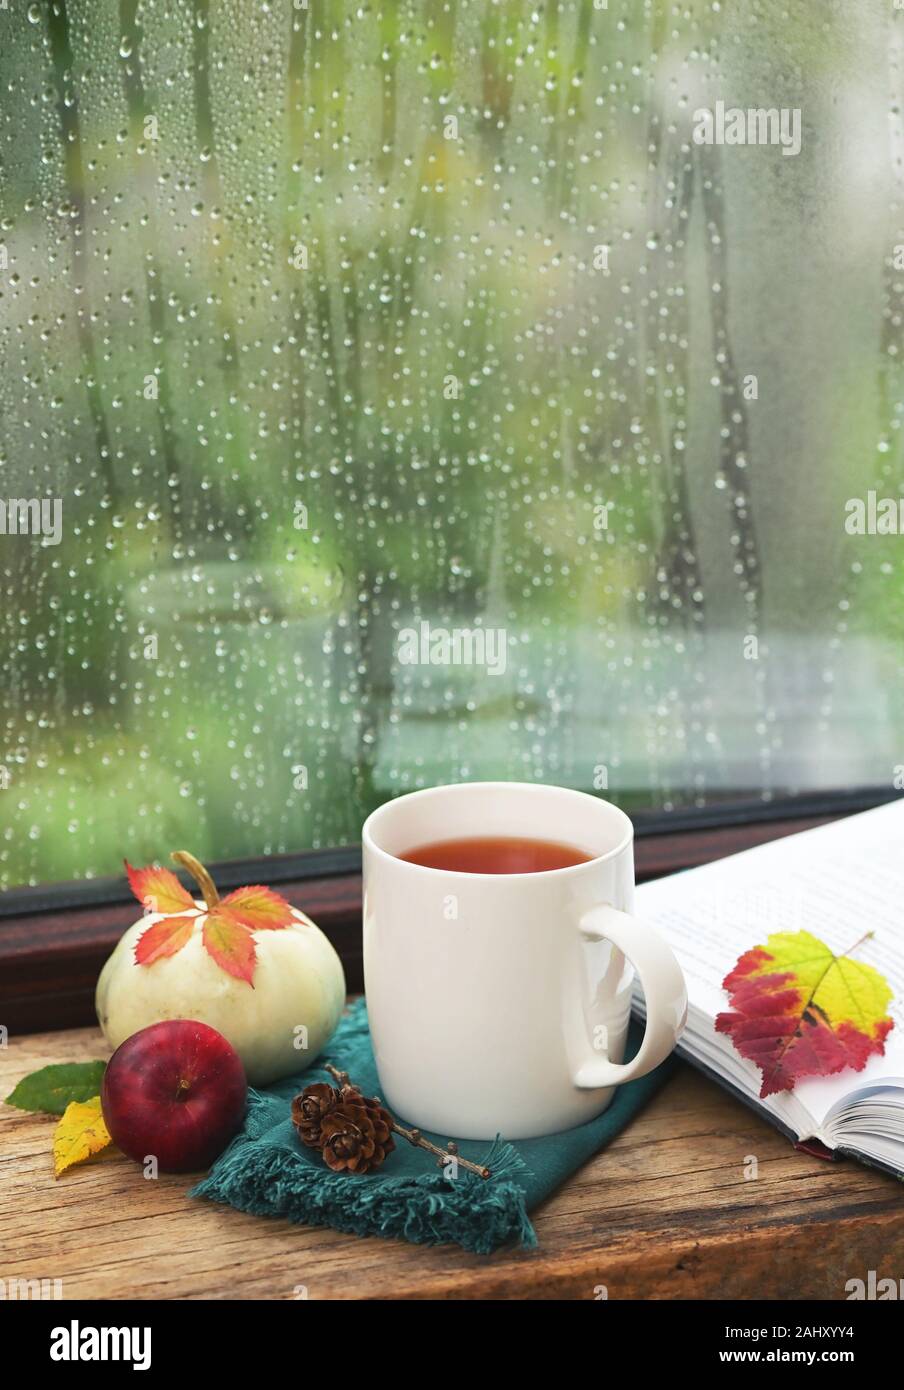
x,y
499,1003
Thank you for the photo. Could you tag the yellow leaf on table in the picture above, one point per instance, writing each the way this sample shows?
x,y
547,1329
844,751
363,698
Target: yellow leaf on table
x,y
80,1134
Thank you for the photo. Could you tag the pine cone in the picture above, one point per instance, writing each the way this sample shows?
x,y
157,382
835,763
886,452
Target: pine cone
x,y
356,1133
309,1110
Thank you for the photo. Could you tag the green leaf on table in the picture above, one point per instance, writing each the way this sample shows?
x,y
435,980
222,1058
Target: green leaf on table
x,y
54,1087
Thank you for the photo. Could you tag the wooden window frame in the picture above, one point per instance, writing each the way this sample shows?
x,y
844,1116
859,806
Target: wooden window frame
x,y
54,939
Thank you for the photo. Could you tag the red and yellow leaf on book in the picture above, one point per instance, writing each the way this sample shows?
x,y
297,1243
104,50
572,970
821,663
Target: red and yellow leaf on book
x,y
799,1010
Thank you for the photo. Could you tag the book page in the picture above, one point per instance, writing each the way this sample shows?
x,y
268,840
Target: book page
x,y
838,881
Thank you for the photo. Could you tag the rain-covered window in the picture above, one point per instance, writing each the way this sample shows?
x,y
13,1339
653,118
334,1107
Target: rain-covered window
x,y
426,390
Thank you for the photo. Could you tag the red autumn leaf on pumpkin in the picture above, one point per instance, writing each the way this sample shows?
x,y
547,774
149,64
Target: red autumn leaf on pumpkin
x,y
227,923
164,938
158,890
799,1010
259,909
229,942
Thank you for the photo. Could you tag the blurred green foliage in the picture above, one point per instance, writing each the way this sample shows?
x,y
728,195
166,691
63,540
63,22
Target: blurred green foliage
x,y
252,270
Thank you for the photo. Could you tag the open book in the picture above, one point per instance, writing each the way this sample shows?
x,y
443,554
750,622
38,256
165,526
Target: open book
x,y
837,881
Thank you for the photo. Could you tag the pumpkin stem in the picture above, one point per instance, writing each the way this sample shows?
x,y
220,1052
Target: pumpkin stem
x,y
199,874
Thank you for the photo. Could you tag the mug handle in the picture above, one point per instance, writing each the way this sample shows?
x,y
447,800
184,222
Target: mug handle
x,y
664,990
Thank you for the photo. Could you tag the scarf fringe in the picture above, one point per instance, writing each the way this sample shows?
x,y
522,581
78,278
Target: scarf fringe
x,y
480,1214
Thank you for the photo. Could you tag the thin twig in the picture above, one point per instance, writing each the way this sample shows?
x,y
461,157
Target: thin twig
x,y
414,1136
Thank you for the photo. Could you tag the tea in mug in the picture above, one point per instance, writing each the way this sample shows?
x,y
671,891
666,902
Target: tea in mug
x,y
496,854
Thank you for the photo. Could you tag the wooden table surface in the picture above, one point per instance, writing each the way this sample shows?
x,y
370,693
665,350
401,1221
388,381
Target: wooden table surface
x,y
664,1212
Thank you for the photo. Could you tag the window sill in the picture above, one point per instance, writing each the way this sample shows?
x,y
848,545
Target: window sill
x,y
51,951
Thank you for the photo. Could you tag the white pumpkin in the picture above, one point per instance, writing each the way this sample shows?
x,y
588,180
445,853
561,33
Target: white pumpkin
x,y
278,1025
